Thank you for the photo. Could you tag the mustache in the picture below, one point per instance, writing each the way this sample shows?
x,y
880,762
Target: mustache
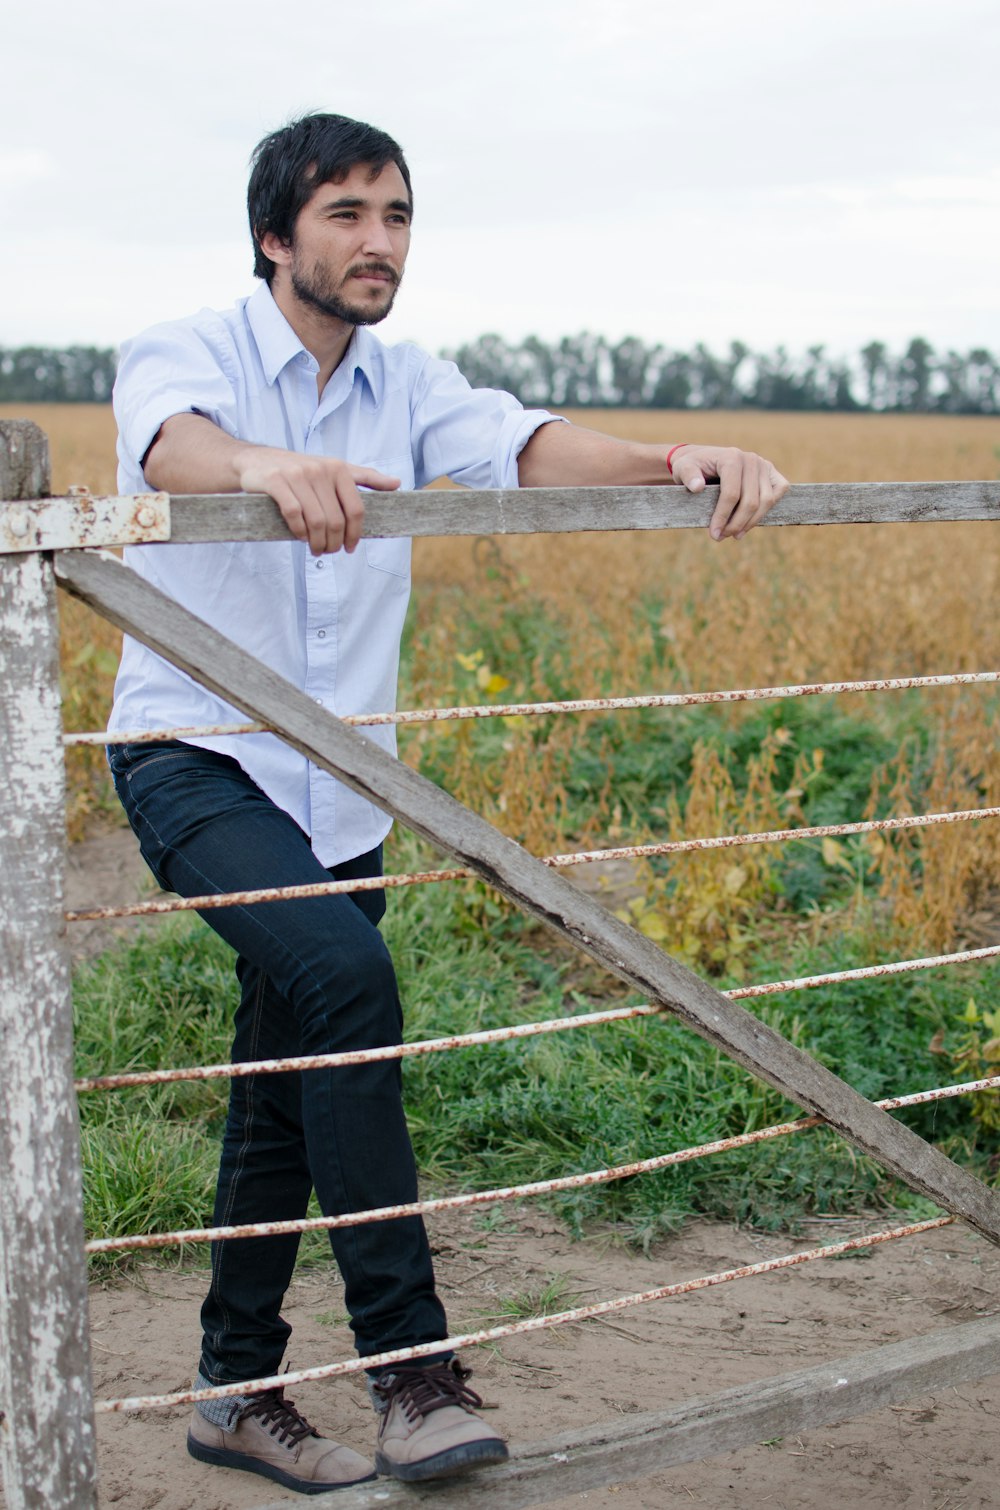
x,y
377,269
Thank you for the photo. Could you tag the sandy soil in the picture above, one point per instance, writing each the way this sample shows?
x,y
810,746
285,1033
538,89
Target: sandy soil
x,y
937,1452
105,870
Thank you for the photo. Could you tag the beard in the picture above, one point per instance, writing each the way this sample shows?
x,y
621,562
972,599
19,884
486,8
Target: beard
x,y
314,287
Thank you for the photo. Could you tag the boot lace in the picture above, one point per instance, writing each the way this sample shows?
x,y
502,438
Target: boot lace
x,y
422,1390
279,1416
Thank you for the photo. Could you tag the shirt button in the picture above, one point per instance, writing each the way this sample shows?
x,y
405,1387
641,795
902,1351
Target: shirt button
x,y
319,565
321,634
320,701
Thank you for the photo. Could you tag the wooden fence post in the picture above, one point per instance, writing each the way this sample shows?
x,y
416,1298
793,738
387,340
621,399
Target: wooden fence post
x,y
46,1401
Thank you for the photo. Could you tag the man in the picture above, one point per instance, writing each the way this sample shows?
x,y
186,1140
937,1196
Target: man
x,y
290,394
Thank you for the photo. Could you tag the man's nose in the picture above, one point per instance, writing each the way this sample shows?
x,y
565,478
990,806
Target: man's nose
x,y
377,240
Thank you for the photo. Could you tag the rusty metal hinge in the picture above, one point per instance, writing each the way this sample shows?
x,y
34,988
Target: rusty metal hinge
x,y
80,519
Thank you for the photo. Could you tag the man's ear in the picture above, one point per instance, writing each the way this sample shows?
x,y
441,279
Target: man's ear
x,y
278,251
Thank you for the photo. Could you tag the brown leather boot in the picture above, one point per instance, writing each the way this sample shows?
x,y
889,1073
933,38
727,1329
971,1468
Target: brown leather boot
x,y
271,1438
427,1429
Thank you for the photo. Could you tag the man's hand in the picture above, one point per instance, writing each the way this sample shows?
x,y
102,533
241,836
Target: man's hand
x,y
317,495
749,486
567,456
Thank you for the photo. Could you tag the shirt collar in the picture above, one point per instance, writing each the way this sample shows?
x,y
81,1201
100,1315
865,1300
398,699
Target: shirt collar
x,y
365,352
278,344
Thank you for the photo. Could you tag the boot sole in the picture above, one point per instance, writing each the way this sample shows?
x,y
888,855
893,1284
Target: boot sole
x,y
220,1458
445,1465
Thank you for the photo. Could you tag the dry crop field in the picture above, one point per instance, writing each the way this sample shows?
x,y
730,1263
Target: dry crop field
x,y
675,612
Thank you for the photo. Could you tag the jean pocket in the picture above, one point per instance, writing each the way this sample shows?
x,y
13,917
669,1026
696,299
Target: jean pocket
x,y
124,759
118,759
143,758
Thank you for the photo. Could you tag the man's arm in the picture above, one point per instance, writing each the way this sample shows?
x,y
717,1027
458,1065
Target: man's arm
x,y
569,456
317,495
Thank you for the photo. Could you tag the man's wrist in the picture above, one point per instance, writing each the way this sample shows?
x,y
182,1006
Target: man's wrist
x,y
670,457
244,458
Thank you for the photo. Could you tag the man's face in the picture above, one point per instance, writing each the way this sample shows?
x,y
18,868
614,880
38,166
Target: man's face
x,y
350,244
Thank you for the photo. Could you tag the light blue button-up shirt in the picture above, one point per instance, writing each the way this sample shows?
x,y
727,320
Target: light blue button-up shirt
x,y
329,624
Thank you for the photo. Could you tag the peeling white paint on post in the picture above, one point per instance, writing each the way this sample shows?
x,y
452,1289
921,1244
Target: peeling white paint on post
x,y
46,1401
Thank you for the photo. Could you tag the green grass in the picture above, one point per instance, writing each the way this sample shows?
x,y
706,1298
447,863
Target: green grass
x,y
533,1109
544,1299
150,1155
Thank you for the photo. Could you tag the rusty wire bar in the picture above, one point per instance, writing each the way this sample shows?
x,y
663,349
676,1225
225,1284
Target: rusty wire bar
x,y
560,862
864,972
362,1056
520,1030
159,736
519,1328
265,894
514,1192
572,705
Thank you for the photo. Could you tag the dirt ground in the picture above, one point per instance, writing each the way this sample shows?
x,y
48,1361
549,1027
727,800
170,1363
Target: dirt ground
x,y
937,1452
105,870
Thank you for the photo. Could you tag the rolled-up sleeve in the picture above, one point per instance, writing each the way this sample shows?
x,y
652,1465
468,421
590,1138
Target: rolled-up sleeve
x,y
472,435
170,369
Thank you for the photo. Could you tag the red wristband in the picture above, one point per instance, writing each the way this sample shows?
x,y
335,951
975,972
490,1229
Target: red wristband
x,y
670,453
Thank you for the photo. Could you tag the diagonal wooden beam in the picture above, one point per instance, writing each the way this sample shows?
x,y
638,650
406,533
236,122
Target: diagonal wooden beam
x,y
100,580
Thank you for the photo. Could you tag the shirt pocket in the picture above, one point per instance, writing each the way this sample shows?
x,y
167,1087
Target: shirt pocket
x,y
391,555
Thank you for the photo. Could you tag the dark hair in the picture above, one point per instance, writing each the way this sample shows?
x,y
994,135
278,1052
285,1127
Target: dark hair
x,y
289,164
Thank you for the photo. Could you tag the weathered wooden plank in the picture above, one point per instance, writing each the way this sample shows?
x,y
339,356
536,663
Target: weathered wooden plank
x,y
632,1447
198,518
103,582
46,1437
439,511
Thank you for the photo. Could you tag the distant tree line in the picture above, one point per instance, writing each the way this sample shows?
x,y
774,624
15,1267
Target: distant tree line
x,y
590,372
52,375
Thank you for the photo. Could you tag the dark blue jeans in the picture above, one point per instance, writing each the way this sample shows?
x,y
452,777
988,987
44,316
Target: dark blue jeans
x,y
315,978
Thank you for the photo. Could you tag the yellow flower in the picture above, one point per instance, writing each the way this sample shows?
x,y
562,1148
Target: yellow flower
x,y
469,662
491,681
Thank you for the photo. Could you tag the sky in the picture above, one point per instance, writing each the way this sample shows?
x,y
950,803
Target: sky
x,y
787,172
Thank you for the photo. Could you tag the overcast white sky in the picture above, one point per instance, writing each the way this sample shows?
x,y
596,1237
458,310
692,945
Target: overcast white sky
x,y
777,172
